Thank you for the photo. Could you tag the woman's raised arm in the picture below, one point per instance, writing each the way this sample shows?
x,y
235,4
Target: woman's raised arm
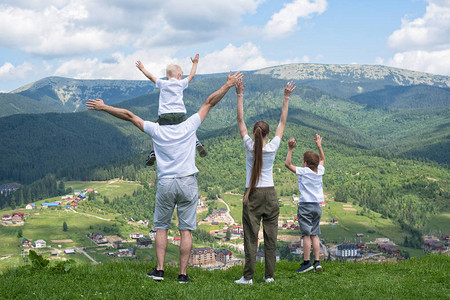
x,y
290,87
240,86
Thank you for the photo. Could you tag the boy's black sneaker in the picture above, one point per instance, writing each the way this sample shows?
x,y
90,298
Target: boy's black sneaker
x,y
151,159
183,278
157,275
317,266
305,267
201,150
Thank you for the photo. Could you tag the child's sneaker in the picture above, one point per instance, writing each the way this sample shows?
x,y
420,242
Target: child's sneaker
x,y
151,158
157,275
317,266
305,267
201,150
242,280
269,279
183,278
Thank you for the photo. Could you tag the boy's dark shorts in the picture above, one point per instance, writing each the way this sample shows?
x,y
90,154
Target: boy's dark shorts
x,y
171,119
309,214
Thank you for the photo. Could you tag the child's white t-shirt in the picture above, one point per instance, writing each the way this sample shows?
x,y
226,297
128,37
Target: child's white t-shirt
x,y
269,152
171,95
310,184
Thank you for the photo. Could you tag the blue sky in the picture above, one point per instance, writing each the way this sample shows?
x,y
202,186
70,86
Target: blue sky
x,y
103,39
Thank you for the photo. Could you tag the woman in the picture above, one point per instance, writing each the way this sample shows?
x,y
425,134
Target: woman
x,y
260,199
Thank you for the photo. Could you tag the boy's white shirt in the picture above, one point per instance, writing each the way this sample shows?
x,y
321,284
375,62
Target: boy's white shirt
x,y
269,152
171,95
310,184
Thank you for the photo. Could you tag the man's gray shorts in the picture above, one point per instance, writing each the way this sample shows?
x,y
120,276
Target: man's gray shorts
x,y
309,214
182,192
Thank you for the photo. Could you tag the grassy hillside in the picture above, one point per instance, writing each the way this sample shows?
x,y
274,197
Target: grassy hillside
x,y
12,104
426,278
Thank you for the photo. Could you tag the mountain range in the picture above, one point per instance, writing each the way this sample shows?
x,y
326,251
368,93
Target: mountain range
x,y
371,107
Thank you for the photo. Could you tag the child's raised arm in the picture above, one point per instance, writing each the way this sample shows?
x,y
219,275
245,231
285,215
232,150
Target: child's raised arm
x,y
318,140
194,67
290,87
147,74
288,164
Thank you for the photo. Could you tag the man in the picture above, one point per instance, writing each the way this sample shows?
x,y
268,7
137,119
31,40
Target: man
x,y
177,185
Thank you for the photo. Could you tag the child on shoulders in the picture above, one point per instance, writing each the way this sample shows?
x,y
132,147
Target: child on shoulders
x,y
171,109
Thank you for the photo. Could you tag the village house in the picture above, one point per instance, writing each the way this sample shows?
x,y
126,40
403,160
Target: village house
x,y
238,230
152,234
202,256
98,238
17,218
433,246
347,251
69,251
128,252
295,199
380,241
26,242
30,206
136,235
40,244
260,256
74,204
334,220
144,242
49,205
6,218
176,241
322,204
389,249
117,244
224,256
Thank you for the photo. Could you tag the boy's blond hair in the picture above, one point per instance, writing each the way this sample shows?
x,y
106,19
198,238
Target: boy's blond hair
x,y
173,71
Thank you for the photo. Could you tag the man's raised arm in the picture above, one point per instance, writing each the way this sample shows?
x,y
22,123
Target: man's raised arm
x,y
120,113
215,97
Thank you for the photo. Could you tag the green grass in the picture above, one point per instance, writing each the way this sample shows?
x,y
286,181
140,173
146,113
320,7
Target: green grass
x,y
425,278
111,188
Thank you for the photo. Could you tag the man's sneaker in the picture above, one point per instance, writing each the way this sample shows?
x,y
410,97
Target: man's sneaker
x,y
305,267
201,150
317,266
151,159
157,275
269,279
242,280
183,278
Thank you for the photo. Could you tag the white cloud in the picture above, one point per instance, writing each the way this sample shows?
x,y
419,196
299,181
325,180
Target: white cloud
x,y
435,62
232,58
430,32
120,66
10,72
285,21
424,43
63,28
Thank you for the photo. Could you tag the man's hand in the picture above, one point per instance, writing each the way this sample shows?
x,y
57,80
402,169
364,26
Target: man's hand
x,y
290,87
139,65
318,140
233,79
95,104
195,59
239,87
292,143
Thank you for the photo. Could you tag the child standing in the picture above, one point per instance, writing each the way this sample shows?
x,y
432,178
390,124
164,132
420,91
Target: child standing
x,y
311,193
171,110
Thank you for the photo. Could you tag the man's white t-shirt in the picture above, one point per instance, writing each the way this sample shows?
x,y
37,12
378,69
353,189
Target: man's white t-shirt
x,y
269,152
310,184
171,95
174,147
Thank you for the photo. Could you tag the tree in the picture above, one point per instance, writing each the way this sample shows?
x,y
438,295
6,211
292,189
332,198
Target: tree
x,y
228,234
20,233
65,227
